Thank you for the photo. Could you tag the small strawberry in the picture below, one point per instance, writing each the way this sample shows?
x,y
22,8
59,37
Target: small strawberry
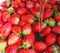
x,y
46,31
47,14
56,29
40,46
16,29
26,29
27,51
58,40
5,16
54,7
22,11
14,20
29,4
28,41
52,49
12,49
50,39
5,30
13,38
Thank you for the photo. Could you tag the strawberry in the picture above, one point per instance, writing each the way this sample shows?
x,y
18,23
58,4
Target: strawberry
x,y
27,51
58,40
5,30
54,7
47,6
17,1
3,45
47,14
26,29
46,31
0,15
5,16
16,29
50,39
52,2
56,29
13,38
57,18
22,11
52,49
28,41
40,46
14,20
28,17
12,49
29,4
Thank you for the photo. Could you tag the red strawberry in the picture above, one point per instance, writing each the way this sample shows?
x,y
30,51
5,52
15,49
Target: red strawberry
x,y
50,39
13,38
56,29
26,29
57,18
5,16
12,49
18,1
22,11
28,17
27,51
6,29
40,46
0,14
47,6
28,40
16,29
15,5
54,7
47,14
52,1
14,20
46,31
59,40
29,4
51,49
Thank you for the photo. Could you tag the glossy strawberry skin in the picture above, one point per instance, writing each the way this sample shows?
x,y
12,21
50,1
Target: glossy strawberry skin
x,y
12,49
40,46
50,39
56,29
6,29
27,51
13,38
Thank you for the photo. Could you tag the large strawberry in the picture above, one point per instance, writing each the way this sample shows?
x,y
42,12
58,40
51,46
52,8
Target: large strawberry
x,y
5,30
50,39
13,38
12,49
26,29
28,41
56,29
27,51
40,46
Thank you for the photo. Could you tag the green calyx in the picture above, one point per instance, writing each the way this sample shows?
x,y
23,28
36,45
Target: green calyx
x,y
38,14
50,22
10,9
56,13
1,36
25,45
3,45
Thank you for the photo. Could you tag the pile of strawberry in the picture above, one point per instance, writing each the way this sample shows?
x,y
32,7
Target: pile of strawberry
x,y
21,30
